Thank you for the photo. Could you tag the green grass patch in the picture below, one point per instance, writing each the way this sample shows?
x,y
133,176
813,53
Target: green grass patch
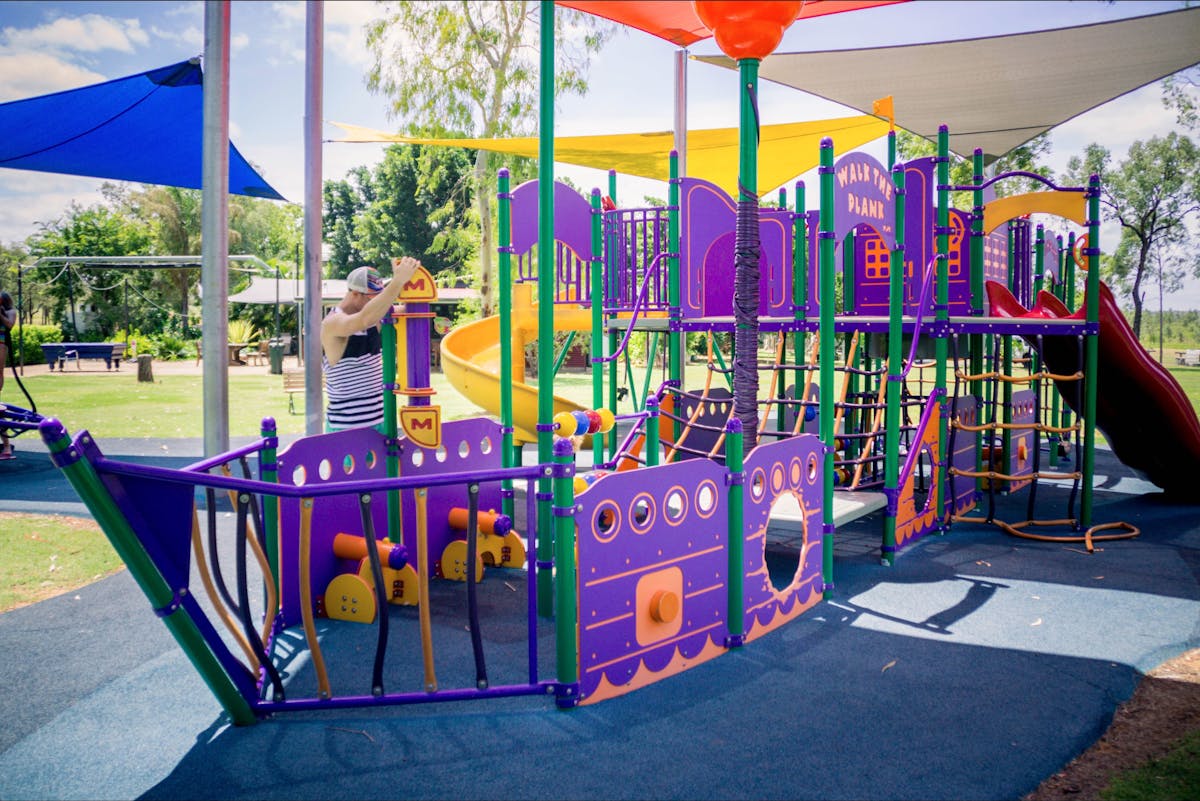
x,y
1174,776
47,555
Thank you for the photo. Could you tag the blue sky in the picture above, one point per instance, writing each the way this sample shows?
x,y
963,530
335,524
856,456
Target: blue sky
x,y
51,46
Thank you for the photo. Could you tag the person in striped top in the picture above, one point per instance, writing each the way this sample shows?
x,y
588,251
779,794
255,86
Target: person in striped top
x,y
352,346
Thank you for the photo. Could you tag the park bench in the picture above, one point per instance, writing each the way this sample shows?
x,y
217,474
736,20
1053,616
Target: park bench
x,y
293,382
59,353
1189,358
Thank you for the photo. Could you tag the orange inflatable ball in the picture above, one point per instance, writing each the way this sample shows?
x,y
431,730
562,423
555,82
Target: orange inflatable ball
x,y
747,28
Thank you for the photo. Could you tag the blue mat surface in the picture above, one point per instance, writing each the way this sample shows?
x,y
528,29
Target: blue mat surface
x,y
973,669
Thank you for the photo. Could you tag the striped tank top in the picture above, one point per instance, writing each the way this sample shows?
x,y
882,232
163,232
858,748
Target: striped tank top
x,y
354,386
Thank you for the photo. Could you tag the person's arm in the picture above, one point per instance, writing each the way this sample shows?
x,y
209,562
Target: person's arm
x,y
343,325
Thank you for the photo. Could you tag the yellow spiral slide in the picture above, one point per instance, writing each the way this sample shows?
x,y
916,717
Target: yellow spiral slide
x,y
471,360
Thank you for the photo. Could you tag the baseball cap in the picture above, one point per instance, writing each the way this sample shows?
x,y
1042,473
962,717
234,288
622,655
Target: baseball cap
x,y
364,279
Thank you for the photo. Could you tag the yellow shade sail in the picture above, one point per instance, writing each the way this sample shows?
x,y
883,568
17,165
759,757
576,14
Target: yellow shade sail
x,y
785,151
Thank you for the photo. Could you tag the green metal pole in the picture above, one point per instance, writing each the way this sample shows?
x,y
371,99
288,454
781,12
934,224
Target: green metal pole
x,y
545,295
566,612
652,447
388,335
1092,352
745,398
941,350
83,478
504,220
1006,367
737,537
1055,396
825,254
268,470
799,290
975,342
891,457
597,284
674,349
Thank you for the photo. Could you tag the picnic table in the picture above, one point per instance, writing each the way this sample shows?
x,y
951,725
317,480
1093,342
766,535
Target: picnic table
x,y
59,353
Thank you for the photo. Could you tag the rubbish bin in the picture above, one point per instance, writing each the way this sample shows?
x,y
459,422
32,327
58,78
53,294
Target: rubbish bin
x,y
275,354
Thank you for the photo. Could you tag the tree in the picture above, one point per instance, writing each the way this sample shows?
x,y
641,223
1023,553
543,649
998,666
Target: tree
x,y
93,231
1151,195
1180,93
462,68
416,202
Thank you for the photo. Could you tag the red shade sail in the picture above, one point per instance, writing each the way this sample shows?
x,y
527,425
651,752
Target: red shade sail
x,y
676,20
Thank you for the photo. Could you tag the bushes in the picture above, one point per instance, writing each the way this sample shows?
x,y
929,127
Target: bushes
x,y
28,339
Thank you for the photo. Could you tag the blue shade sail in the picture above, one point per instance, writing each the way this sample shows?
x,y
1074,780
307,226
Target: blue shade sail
x,y
146,128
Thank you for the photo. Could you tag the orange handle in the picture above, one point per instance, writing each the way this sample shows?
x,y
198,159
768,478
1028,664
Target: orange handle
x,y
489,522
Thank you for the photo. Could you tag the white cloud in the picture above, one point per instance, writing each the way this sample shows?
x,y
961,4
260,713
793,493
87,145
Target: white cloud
x,y
31,74
190,36
90,33
44,197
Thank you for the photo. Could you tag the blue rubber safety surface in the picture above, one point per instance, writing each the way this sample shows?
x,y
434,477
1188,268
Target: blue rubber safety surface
x,y
974,668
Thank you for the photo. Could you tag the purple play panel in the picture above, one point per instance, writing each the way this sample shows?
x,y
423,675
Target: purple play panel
x,y
358,454
572,239
962,488
706,263
662,533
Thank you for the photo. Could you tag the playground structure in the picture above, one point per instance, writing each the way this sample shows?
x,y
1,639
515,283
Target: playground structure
x,y
653,559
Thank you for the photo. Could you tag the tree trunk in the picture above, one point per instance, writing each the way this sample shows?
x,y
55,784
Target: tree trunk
x,y
484,207
1138,297
145,368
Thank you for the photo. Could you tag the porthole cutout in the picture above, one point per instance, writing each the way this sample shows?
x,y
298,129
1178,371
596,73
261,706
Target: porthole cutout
x,y
706,498
675,505
641,512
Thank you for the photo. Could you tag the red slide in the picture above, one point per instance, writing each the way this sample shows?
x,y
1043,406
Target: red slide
x,y
1144,413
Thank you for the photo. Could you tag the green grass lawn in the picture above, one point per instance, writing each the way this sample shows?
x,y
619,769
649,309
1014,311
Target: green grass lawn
x,y
46,555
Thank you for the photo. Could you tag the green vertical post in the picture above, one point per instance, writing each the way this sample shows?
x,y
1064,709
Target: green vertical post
x,y
1006,366
613,374
1055,396
1070,272
825,257
504,277
545,279
612,185
674,349
652,447
83,478
268,470
800,257
941,351
1039,260
799,289
745,398
390,429
891,146
975,342
1091,350
737,537
597,284
566,596
849,416
891,456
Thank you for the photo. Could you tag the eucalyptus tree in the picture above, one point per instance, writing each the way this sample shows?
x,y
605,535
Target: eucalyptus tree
x,y
1153,195
465,68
